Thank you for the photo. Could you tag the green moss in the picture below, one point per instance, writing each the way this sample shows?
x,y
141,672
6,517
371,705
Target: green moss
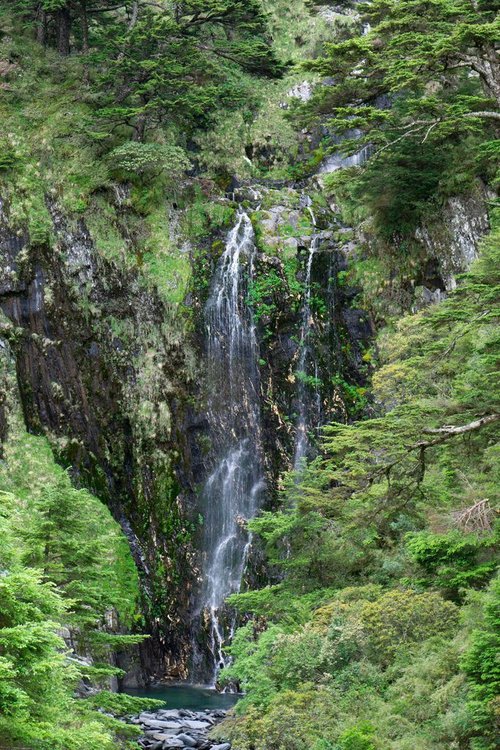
x,y
101,219
165,262
204,217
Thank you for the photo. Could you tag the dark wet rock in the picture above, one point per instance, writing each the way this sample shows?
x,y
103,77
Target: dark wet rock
x,y
88,338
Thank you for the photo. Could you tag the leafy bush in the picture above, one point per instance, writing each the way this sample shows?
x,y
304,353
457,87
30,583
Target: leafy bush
x,y
141,158
482,668
454,561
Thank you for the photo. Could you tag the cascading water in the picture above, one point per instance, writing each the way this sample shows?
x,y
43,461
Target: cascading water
x,y
303,376
338,161
234,489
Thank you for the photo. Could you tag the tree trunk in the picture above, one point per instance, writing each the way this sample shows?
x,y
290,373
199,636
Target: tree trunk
x,y
85,29
139,128
41,26
63,24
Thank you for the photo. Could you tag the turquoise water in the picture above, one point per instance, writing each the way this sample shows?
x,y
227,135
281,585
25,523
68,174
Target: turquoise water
x,y
192,697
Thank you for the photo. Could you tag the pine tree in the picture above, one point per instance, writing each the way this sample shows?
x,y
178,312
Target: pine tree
x,y
426,69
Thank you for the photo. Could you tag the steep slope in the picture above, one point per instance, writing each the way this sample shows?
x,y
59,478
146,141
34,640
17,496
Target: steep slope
x,y
217,236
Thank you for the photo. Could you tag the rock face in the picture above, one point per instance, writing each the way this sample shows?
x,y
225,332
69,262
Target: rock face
x,y
179,729
101,373
298,257
104,369
452,243
301,302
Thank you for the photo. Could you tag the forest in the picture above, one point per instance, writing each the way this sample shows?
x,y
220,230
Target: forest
x,y
249,374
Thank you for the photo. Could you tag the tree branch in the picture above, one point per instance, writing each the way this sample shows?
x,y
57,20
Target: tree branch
x,y
443,434
451,430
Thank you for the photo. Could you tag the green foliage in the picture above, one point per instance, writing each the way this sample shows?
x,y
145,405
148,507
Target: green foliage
x,y
481,666
420,89
397,509
140,158
183,64
204,217
64,564
453,561
399,618
357,738
121,704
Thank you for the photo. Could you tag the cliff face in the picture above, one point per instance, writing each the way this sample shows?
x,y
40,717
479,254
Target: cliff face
x,y
451,243
105,370
102,372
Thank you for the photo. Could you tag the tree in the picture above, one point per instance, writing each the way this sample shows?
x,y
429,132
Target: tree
x,y
427,69
55,20
480,663
176,66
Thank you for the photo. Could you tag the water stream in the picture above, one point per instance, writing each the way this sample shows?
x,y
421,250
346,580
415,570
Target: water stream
x,y
234,490
301,439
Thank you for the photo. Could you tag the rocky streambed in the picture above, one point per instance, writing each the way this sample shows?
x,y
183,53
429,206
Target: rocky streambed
x,y
179,728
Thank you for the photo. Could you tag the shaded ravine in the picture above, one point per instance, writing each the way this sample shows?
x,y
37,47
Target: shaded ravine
x,y
234,489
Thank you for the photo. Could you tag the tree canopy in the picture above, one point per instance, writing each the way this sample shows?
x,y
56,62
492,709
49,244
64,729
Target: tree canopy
x,y
424,69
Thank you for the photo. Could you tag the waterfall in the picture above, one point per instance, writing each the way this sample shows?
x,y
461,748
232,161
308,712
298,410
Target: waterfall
x,y
233,492
337,160
305,355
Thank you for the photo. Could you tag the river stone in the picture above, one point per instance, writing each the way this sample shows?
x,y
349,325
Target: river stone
x,y
187,740
158,724
171,713
191,724
161,736
172,742
224,746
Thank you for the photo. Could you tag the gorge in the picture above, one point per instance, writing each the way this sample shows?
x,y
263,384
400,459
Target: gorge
x,y
249,306
233,492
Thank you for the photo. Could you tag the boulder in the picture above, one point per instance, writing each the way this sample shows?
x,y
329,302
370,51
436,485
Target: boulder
x,y
161,736
187,740
192,724
168,713
158,724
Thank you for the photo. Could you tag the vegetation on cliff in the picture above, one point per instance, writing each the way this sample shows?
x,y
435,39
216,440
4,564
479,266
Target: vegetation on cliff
x,y
133,117
387,544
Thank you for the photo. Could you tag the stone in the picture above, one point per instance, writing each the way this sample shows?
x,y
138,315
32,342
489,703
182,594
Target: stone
x,y
223,746
171,743
161,736
158,724
187,740
170,713
191,724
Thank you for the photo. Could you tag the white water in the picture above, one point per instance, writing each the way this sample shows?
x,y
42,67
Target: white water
x,y
233,492
301,438
337,161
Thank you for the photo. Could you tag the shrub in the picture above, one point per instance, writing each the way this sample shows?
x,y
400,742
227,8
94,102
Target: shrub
x,y
140,158
403,617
